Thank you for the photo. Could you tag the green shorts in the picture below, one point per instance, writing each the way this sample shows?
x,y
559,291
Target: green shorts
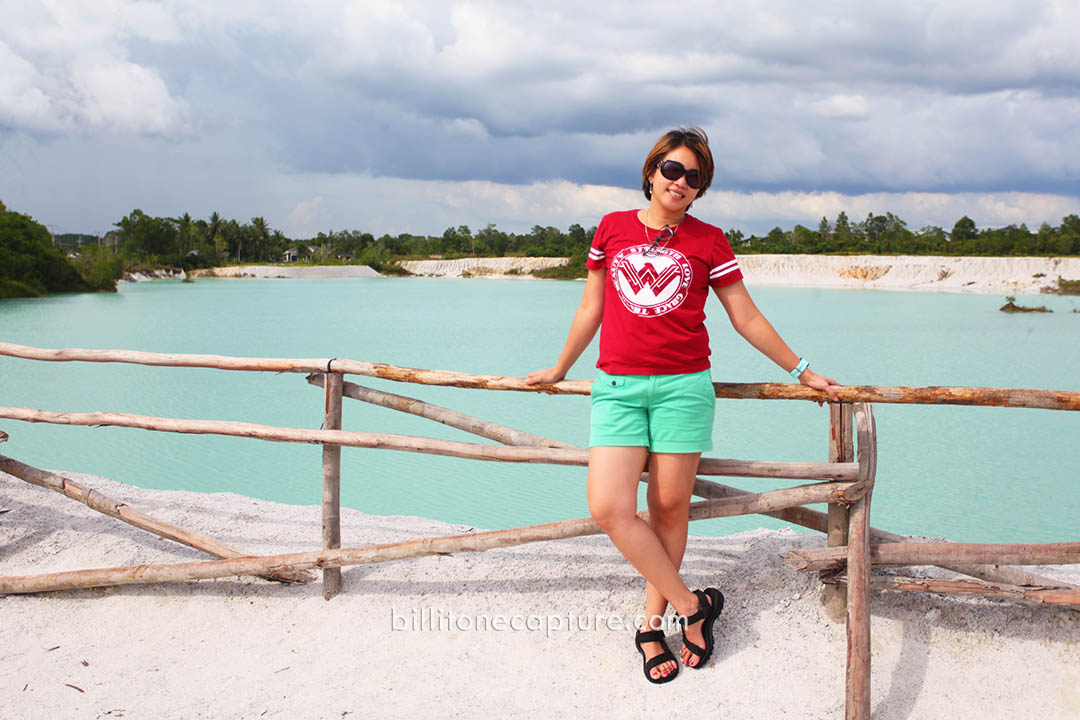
x,y
665,413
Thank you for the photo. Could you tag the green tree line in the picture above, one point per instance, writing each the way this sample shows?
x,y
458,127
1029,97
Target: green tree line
x,y
191,243
889,235
32,262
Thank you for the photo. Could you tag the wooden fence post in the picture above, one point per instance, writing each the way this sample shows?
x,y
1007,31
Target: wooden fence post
x,y
857,705
331,472
841,449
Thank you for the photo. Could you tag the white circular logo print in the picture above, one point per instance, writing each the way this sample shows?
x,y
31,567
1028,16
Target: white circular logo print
x,y
651,285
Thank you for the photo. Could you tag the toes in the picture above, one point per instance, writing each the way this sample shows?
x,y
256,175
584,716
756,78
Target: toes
x,y
662,671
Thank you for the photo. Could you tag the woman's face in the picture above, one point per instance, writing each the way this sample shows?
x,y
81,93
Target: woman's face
x,y
674,195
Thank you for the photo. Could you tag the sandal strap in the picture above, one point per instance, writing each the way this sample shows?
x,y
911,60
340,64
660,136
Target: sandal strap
x,y
700,652
649,636
704,608
659,660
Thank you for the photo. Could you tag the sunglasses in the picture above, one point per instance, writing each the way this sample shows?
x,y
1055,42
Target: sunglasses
x,y
673,170
665,234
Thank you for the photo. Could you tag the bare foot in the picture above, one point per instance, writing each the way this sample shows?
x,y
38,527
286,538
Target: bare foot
x,y
651,650
693,634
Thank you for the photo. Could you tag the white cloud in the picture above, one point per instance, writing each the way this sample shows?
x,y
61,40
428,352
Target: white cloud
x,y
23,102
468,127
67,69
376,34
839,106
125,96
758,212
384,205
306,219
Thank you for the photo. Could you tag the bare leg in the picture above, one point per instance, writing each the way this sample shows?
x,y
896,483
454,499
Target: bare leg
x,y
614,473
671,483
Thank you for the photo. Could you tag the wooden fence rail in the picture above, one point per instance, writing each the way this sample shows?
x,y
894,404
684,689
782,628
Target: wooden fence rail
x,y
1027,593
334,558
1063,553
848,472
932,395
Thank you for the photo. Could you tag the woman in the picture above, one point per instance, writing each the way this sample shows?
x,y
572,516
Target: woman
x,y
652,401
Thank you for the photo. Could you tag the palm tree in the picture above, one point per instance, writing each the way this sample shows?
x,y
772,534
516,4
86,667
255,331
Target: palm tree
x,y
262,234
184,224
212,230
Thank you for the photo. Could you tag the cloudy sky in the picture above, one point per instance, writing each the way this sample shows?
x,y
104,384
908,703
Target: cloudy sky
x,y
413,116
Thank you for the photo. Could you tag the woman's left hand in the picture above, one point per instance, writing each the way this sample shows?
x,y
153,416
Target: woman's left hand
x,y
820,382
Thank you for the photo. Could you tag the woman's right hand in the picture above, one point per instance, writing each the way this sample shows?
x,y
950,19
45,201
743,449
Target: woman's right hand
x,y
586,323
550,375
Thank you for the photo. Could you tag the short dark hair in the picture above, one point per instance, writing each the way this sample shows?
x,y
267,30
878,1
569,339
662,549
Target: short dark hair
x,y
694,139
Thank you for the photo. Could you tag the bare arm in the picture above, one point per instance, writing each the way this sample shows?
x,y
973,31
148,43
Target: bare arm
x,y
752,325
586,322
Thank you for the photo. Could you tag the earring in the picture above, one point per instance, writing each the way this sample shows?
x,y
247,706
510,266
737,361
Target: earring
x,y
650,188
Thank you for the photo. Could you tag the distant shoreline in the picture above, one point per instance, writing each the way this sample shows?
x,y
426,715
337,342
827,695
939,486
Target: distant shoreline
x,y
286,271
987,275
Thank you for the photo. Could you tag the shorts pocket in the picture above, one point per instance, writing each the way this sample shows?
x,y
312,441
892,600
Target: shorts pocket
x,y
607,382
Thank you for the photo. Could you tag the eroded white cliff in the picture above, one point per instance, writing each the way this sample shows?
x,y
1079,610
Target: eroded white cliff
x,y
1017,276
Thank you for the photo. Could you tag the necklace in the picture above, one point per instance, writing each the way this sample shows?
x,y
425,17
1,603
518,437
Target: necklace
x,y
666,235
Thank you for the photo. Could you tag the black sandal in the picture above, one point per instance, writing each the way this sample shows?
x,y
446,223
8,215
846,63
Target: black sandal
x,y
665,656
710,603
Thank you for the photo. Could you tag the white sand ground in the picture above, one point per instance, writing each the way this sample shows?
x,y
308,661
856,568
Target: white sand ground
x,y
481,267
248,648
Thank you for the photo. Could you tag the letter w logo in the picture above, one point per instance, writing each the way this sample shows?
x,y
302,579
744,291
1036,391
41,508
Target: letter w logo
x,y
647,277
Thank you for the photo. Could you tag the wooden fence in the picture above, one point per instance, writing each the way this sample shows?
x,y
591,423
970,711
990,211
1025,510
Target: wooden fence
x,y
845,482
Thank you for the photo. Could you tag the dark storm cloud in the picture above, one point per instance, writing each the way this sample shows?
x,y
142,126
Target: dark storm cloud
x,y
923,97
851,97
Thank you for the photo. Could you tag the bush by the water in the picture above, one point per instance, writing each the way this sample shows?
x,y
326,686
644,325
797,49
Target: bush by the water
x,y
570,271
31,265
1010,306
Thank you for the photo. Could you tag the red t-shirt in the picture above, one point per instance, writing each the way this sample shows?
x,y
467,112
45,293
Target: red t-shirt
x,y
654,307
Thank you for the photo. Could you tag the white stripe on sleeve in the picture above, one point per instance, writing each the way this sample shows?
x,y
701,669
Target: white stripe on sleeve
x,y
721,270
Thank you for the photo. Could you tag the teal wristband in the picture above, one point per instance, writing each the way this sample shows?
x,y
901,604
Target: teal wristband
x,y
798,369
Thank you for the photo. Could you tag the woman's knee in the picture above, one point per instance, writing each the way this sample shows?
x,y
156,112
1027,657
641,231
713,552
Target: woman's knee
x,y
671,484
668,503
609,512
667,511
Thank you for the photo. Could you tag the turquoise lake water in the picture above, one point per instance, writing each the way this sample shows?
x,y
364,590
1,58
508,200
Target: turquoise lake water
x,y
968,474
